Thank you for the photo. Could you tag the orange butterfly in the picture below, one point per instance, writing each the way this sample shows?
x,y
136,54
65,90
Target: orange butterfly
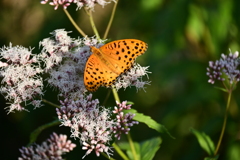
x,y
111,60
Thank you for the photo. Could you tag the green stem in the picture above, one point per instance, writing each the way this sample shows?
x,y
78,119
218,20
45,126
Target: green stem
x,y
74,23
115,94
120,152
224,123
50,103
111,20
89,12
106,98
37,131
132,146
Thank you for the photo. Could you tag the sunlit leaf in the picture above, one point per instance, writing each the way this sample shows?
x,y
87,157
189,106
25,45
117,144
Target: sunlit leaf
x,y
149,122
233,151
205,141
149,148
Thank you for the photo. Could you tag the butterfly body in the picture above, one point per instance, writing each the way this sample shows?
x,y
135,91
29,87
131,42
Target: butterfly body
x,y
111,60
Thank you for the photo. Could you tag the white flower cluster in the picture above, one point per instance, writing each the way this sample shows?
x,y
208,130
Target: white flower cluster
x,y
62,57
95,125
65,60
21,82
89,122
53,148
90,4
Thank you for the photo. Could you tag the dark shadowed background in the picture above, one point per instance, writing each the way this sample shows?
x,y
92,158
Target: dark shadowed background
x,y
183,35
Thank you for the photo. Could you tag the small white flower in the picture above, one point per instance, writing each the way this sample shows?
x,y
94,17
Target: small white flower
x,y
80,3
21,76
133,77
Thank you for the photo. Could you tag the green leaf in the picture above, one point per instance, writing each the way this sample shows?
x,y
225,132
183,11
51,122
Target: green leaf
x,y
145,150
211,158
149,148
37,131
205,141
220,88
130,102
137,149
126,146
149,122
233,151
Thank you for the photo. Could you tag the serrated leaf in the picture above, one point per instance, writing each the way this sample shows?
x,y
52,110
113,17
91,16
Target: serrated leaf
x,y
205,141
140,117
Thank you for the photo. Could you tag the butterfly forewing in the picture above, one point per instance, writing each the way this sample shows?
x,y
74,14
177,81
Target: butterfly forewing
x,y
124,50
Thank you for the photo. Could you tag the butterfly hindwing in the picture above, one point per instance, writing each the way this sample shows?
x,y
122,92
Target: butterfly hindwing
x,y
97,74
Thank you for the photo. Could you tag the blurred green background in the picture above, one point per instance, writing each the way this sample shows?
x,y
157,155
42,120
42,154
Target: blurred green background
x,y
183,35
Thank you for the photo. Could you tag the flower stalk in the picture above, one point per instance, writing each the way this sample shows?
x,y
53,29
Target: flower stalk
x,y
119,151
95,31
74,23
226,71
37,131
111,20
224,123
50,103
132,146
115,94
